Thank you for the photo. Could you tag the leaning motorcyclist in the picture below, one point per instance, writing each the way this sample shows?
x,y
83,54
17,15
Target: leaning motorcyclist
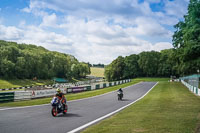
x,y
120,90
61,97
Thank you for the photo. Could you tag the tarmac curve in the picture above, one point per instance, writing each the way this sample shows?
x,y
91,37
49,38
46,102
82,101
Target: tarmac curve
x,y
81,113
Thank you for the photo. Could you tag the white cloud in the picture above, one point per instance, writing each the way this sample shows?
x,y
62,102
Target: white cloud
x,y
161,46
22,23
26,9
49,20
90,47
149,27
176,8
97,31
9,33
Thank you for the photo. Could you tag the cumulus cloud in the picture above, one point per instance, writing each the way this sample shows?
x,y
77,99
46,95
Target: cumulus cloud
x,y
148,26
161,46
176,8
97,31
49,20
10,33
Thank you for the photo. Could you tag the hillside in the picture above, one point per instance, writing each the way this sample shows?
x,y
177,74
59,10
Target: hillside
x,y
27,61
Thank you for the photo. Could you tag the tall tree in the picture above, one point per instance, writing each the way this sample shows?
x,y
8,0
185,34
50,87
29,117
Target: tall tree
x,y
149,62
131,69
186,39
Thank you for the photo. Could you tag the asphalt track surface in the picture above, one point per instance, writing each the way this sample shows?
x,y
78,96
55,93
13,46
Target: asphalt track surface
x,y
38,119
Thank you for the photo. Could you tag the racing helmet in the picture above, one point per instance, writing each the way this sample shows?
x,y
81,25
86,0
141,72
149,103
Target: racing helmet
x,y
58,90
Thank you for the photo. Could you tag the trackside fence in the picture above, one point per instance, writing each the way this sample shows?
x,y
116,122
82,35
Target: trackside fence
x,y
193,89
7,97
192,83
32,94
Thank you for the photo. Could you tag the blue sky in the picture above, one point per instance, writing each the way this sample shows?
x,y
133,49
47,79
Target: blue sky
x,y
95,31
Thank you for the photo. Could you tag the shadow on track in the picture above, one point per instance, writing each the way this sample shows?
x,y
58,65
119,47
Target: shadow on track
x,y
125,100
69,115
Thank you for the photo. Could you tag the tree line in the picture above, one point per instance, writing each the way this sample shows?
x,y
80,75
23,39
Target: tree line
x,y
182,60
24,61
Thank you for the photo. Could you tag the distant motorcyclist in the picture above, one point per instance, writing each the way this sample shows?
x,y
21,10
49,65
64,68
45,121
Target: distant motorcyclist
x,y
61,97
120,94
120,90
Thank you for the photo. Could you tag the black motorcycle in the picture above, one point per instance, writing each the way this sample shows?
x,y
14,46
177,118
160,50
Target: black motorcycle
x,y
120,95
58,107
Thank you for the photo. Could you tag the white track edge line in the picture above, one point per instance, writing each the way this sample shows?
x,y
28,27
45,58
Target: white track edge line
x,y
105,116
67,101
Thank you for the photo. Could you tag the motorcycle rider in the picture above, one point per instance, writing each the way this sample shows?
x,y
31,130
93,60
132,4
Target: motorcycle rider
x,y
120,91
61,97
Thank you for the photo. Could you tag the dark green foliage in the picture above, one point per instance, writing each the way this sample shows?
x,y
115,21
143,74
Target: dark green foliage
x,y
186,40
115,70
98,65
149,64
132,68
28,61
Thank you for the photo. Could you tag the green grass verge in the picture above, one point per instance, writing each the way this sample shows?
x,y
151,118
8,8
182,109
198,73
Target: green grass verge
x,y
152,79
21,83
69,96
168,108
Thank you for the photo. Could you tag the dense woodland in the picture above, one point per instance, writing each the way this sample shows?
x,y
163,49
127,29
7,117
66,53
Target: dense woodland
x,y
182,60
24,61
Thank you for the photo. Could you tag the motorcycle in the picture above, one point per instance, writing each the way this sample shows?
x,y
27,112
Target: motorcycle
x,y
58,107
120,95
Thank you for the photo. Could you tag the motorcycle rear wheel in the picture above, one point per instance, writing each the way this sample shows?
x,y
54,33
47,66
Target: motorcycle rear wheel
x,y
66,109
54,112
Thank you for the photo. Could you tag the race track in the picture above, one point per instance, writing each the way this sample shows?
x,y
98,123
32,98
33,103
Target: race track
x,y
38,119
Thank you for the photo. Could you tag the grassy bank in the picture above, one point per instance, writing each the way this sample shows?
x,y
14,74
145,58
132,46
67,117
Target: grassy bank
x,y
169,107
152,79
69,96
97,72
20,83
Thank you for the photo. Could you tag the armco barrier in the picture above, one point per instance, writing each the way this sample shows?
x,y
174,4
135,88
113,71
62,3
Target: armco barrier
x,y
88,88
113,83
193,89
6,97
27,95
104,85
101,85
199,92
98,86
110,84
93,87
22,95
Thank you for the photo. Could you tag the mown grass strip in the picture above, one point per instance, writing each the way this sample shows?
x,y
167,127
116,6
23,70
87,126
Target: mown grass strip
x,y
21,83
169,107
97,72
69,96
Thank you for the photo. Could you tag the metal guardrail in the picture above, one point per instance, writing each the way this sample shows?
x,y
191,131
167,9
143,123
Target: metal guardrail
x,y
31,94
7,97
193,89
